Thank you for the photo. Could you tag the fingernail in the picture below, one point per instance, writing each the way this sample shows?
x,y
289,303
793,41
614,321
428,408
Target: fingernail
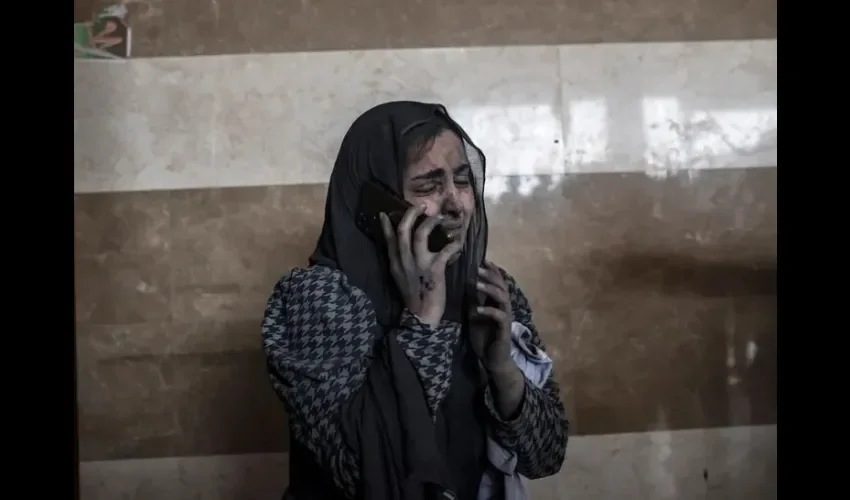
x,y
479,309
480,285
481,270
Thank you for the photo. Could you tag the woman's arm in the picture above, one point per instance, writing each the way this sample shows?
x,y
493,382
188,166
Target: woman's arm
x,y
318,333
538,434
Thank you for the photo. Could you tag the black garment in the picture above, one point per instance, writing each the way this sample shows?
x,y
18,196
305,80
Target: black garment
x,y
390,424
387,423
307,479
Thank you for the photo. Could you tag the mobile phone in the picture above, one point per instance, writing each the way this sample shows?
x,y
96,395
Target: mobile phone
x,y
375,199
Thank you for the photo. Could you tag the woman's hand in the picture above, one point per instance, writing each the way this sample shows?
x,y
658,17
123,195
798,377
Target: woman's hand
x,y
491,340
419,273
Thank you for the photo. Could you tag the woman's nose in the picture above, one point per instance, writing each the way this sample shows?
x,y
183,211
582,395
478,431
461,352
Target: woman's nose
x,y
450,204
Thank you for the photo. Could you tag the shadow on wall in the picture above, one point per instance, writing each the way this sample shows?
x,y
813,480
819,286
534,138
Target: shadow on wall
x,y
671,274
712,356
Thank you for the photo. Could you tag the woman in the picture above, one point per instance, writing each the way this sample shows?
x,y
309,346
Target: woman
x,y
393,371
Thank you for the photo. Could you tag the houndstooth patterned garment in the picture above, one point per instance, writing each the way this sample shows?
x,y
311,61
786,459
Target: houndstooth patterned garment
x,y
318,333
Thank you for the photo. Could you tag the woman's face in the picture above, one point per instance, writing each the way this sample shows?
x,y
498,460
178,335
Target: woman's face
x,y
442,180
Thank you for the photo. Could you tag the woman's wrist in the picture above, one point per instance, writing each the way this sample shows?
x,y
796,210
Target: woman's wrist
x,y
508,386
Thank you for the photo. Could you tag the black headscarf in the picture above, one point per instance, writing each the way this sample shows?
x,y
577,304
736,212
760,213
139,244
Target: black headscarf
x,y
376,148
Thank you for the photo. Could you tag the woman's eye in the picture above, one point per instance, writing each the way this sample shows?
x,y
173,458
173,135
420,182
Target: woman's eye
x,y
462,181
424,191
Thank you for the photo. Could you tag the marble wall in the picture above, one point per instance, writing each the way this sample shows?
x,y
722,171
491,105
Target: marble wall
x,y
631,191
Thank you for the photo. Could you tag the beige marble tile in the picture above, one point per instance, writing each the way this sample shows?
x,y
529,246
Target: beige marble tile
x,y
155,479
283,116
674,465
144,124
215,477
255,120
278,119
664,107
734,463
741,462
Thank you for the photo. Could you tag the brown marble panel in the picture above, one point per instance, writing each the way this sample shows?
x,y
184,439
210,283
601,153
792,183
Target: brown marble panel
x,y
122,223
655,297
187,27
673,279
230,246
169,398
120,257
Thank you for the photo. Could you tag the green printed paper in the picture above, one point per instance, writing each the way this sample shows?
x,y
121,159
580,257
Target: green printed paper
x,y
106,37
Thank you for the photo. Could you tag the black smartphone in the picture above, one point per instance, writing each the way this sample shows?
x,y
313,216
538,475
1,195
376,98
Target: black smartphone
x,y
375,199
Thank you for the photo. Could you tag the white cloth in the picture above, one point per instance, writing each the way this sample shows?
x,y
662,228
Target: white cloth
x,y
502,482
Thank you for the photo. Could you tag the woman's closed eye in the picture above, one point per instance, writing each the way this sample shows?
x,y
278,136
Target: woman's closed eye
x,y
425,190
462,175
462,181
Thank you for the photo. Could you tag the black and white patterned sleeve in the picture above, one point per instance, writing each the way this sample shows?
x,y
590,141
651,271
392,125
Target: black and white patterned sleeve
x,y
317,335
318,332
538,435
430,351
